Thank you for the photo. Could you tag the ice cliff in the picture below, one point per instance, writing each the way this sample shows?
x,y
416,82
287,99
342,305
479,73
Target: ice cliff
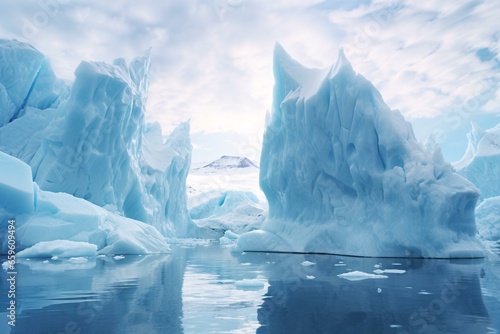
x,y
344,174
91,140
481,161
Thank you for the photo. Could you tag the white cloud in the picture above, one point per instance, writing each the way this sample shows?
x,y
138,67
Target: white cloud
x,y
212,59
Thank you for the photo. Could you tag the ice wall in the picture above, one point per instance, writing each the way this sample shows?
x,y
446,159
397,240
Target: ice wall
x,y
43,216
481,161
95,144
344,174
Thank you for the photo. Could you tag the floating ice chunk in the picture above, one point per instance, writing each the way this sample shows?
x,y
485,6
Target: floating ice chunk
x,y
78,259
250,284
55,258
5,265
60,248
118,257
308,263
359,276
389,271
228,239
394,271
310,277
340,264
379,290
423,292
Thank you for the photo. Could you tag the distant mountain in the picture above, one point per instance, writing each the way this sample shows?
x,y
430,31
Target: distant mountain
x,y
228,163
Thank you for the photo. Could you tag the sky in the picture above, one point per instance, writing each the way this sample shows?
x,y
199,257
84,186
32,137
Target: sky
x,y
437,62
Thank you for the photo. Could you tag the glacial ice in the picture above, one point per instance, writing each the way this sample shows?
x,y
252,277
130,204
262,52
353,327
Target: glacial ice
x,y
60,248
92,141
481,161
488,221
344,174
53,224
16,185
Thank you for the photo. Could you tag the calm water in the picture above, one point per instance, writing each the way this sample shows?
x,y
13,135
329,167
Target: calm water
x,y
207,289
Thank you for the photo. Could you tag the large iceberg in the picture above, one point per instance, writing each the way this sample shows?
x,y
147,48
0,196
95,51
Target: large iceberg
x,y
344,174
46,223
93,142
481,161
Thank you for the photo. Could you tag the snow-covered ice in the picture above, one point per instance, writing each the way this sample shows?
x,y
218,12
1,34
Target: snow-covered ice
x,y
344,174
224,195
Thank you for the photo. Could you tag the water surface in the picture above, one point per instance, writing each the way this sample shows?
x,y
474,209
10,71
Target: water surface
x,y
209,289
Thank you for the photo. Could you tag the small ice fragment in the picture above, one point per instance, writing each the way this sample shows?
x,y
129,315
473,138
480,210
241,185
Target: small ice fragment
x,y
394,271
359,275
389,271
339,264
377,266
5,265
423,292
46,261
395,326
78,259
308,263
55,258
246,264
310,277
396,264
379,290
250,284
408,287
118,257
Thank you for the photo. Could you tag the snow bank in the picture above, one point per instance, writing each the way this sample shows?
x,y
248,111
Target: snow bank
x,y
344,174
481,161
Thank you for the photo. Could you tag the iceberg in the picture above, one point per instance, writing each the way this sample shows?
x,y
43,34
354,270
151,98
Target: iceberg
x,y
488,221
58,224
481,160
92,141
344,174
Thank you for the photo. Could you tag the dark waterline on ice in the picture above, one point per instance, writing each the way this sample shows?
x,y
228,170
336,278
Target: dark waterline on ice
x,y
208,289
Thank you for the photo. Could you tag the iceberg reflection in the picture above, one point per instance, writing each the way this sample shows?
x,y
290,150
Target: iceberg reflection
x,y
306,295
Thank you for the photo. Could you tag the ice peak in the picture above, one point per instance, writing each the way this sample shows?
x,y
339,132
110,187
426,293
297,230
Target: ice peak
x,y
342,62
291,76
476,133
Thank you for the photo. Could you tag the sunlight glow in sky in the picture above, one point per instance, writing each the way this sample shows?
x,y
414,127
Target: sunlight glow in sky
x,y
435,61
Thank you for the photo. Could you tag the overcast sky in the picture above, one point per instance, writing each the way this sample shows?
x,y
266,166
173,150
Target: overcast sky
x,y
436,61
